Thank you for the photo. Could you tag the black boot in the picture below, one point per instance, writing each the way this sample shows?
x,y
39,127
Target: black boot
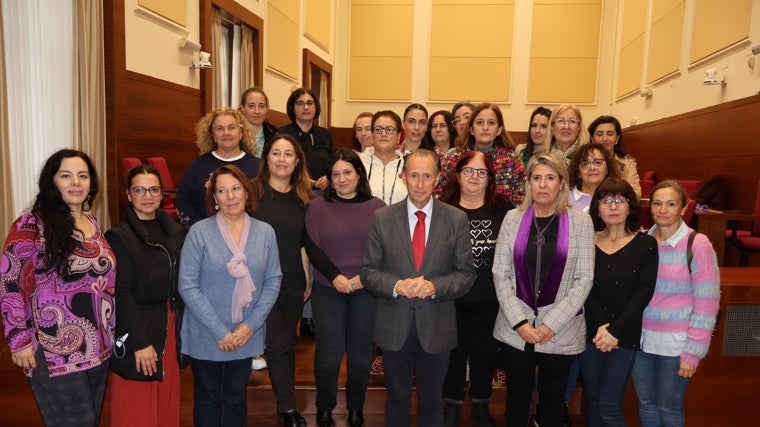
x,y
451,412
481,416
307,327
324,419
355,419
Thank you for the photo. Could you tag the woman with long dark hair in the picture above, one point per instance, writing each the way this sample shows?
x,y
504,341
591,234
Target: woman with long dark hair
x,y
57,294
282,192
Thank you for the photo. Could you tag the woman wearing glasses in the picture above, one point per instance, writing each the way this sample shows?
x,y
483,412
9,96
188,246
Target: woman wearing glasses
x,y
383,161
606,130
145,388
589,166
487,133
316,142
624,278
566,132
441,133
460,115
473,190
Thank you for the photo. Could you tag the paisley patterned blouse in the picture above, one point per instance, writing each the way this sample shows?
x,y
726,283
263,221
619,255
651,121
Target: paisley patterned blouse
x,y
69,315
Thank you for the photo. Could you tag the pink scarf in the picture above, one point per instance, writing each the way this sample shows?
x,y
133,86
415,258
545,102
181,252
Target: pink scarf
x,y
242,295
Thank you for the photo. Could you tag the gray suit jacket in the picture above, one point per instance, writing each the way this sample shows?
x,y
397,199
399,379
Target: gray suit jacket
x,y
447,263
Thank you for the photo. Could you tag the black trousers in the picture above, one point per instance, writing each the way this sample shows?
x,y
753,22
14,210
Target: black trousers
x,y
475,341
220,392
345,323
428,370
520,366
281,339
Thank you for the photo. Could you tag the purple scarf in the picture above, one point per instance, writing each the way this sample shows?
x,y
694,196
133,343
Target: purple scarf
x,y
242,295
553,280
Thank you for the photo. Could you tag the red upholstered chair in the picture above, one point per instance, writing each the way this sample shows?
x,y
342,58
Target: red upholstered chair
x,y
689,185
646,187
649,175
688,214
166,179
748,241
128,163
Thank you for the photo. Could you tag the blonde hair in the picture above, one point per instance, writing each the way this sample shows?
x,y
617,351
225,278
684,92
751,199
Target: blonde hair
x,y
583,135
204,136
558,165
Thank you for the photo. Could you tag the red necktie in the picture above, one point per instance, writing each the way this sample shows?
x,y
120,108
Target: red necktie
x,y
418,239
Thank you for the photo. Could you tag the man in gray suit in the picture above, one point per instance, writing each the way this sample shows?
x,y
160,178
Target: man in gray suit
x,y
415,324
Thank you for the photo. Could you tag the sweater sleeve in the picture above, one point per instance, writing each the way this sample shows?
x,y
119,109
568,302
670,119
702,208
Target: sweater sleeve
x,y
630,318
705,281
18,282
189,197
312,243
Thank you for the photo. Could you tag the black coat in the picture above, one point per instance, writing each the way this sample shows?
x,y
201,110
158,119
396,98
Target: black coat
x,y
147,271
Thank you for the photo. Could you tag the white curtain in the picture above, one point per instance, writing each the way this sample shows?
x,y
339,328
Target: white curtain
x,y
40,64
247,63
6,208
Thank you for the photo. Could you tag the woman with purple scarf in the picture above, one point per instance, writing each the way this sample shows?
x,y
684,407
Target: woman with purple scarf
x,y
543,271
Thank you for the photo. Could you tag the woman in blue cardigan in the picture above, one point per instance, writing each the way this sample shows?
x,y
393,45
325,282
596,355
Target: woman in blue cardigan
x,y
229,278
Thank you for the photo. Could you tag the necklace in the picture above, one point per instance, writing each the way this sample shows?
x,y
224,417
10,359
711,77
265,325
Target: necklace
x,y
395,177
540,242
540,239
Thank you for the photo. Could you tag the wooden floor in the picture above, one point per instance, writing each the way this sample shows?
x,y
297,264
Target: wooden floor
x,y
733,399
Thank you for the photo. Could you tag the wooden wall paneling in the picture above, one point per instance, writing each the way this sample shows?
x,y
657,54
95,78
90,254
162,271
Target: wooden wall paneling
x,y
717,140
158,119
115,69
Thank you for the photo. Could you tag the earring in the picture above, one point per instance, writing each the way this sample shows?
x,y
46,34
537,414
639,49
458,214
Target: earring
x,y
216,207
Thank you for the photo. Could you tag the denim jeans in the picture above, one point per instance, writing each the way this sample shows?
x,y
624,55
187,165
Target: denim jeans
x,y
660,390
605,376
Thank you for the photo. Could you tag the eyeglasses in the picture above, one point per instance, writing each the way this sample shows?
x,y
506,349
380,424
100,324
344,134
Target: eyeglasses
x,y
596,163
458,120
301,104
609,201
570,122
142,191
469,172
390,130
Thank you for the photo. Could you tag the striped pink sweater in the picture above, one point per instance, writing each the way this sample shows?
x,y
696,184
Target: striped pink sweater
x,y
681,304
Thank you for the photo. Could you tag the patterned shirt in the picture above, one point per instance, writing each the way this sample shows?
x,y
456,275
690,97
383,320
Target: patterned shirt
x,y
70,315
